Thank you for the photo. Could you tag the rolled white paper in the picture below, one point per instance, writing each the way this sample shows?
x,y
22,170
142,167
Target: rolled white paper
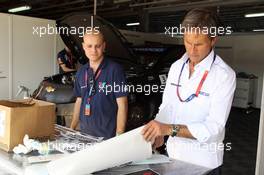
x,y
116,151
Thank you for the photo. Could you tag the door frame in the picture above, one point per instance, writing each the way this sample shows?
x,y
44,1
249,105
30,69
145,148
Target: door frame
x,y
260,150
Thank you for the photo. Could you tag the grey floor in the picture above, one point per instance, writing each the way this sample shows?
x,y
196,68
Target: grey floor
x,y
242,132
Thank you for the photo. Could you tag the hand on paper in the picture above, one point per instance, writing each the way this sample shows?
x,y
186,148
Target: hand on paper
x,y
155,129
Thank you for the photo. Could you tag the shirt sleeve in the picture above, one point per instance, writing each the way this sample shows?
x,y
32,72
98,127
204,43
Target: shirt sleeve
x,y
221,102
77,86
119,82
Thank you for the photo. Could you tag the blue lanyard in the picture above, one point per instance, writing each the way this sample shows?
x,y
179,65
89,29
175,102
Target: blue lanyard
x,y
92,82
92,91
92,79
192,96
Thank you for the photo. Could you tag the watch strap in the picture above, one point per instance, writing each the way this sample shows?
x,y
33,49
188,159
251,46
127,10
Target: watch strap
x,y
175,130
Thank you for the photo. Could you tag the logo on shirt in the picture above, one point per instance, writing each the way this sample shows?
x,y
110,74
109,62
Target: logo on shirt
x,y
204,93
200,93
173,84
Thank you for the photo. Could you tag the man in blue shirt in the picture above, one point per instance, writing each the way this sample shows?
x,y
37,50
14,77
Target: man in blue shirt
x,y
100,113
66,61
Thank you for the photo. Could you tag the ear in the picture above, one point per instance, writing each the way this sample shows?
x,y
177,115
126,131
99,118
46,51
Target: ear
x,y
213,41
83,46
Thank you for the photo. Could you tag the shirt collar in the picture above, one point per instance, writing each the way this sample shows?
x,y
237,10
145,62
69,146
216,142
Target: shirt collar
x,y
205,63
104,63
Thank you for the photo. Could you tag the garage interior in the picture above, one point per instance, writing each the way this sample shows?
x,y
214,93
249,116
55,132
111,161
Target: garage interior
x,y
26,58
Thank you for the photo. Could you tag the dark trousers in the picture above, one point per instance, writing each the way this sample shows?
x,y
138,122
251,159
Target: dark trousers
x,y
216,171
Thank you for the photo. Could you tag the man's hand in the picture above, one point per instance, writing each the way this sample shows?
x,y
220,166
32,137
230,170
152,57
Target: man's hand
x,y
159,141
76,113
155,129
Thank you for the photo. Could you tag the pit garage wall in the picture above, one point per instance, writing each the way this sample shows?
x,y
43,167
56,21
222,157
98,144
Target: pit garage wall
x,y
5,37
245,53
33,56
30,57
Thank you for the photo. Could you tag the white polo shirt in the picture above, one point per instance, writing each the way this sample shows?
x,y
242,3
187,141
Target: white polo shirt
x,y
205,115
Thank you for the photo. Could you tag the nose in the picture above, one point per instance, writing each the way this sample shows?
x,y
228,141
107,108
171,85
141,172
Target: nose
x,y
193,49
94,49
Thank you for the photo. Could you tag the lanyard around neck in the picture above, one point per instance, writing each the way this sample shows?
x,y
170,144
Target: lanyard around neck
x,y
92,79
199,87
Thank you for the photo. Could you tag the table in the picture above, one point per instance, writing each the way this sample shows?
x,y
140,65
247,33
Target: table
x,y
17,165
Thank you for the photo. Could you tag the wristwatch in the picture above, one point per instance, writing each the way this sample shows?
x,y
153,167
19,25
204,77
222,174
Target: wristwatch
x,y
175,130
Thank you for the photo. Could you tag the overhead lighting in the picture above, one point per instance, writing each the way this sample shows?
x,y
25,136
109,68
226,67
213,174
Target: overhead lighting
x,y
252,15
258,30
19,9
133,24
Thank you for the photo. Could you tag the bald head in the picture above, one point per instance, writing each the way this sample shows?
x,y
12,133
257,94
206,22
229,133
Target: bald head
x,y
94,45
94,32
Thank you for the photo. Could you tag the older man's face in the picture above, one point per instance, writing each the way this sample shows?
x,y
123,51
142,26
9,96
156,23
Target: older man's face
x,y
94,46
198,46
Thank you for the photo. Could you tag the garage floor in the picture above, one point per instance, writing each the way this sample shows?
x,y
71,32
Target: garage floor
x,y
242,132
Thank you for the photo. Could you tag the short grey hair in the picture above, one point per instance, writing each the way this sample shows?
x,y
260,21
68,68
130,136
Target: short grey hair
x,y
200,18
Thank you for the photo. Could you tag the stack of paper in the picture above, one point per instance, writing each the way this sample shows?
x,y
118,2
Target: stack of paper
x,y
125,148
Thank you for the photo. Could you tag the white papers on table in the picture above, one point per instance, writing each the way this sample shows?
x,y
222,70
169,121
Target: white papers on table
x,y
154,159
119,150
44,158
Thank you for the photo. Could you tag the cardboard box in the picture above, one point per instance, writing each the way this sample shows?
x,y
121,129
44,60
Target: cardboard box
x,y
18,118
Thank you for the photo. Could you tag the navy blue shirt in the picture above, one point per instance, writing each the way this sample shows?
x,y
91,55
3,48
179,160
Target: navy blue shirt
x,y
102,120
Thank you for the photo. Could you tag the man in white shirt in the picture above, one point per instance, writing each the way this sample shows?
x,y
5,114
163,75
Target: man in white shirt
x,y
197,99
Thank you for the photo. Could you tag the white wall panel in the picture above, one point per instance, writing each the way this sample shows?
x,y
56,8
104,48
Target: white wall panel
x,y
5,34
33,56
